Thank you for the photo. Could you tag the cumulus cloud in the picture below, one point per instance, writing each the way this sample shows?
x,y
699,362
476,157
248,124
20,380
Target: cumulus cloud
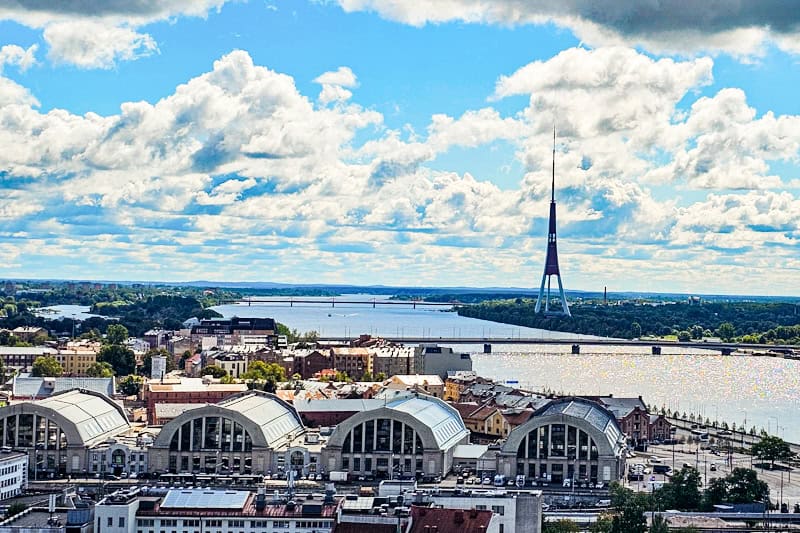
x,y
12,54
88,44
334,83
98,34
662,26
240,171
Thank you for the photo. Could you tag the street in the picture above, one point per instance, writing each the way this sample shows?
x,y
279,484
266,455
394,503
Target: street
x,y
784,485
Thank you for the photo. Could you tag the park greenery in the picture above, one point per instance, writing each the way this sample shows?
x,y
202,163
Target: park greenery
x,y
114,352
629,509
749,322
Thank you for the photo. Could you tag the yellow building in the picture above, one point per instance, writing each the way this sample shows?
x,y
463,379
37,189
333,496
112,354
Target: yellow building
x,y
76,357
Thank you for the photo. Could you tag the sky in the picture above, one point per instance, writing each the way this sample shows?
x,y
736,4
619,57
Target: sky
x,y
402,142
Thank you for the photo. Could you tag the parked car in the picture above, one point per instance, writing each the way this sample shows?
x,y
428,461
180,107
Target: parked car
x,y
487,481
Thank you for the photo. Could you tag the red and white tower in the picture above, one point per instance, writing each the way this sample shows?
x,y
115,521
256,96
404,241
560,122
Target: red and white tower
x,y
551,263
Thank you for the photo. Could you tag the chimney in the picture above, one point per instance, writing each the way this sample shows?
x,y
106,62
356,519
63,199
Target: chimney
x,y
473,513
458,518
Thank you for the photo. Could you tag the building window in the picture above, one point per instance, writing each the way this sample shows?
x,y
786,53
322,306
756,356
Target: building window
x,y
498,509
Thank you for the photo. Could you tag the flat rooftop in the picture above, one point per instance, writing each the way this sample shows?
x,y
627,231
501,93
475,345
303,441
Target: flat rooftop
x,y
36,519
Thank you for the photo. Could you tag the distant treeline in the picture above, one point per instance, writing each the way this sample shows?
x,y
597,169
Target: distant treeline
x,y
163,311
747,321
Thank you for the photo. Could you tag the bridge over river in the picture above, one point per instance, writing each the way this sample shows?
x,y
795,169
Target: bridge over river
x,y
726,348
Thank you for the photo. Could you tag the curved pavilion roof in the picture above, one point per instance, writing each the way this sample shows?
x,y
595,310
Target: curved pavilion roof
x,y
268,419
84,416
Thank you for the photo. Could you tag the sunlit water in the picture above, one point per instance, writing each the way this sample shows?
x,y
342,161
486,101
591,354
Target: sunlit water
x,y
764,391
346,320
55,312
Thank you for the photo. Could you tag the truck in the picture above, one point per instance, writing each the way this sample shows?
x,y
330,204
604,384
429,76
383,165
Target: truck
x,y
396,487
520,480
338,476
499,480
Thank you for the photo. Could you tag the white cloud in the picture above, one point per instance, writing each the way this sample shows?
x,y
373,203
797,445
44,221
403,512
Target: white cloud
x,y
334,83
343,77
239,156
98,33
11,54
88,44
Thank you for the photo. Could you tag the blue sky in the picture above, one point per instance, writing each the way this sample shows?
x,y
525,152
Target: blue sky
x,y
401,142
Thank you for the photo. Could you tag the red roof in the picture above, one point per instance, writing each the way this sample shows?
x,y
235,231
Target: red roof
x,y
433,520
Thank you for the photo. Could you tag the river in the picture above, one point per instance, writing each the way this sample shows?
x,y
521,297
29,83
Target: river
x,y
764,391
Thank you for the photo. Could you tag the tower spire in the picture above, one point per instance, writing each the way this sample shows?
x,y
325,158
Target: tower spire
x,y
551,262
553,185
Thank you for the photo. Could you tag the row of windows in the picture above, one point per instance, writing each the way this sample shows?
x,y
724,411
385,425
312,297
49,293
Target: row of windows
x,y
27,431
558,440
9,482
211,432
383,435
252,524
10,469
10,493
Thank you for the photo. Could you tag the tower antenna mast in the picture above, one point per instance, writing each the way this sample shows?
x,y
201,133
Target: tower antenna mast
x,y
551,262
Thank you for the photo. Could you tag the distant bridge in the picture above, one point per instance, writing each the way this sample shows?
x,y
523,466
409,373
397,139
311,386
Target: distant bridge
x,y
725,347
333,301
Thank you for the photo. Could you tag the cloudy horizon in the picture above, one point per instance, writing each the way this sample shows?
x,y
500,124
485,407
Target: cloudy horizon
x,y
402,143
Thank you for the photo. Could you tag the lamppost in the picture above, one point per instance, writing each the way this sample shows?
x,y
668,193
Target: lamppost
x,y
769,418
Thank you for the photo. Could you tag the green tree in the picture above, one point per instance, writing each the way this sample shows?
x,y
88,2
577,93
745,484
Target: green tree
x,y
130,385
659,524
381,376
743,486
772,449
46,366
636,330
367,376
630,508
15,508
266,375
100,370
213,371
682,491
716,493
121,359
341,377
603,525
684,336
726,331
116,334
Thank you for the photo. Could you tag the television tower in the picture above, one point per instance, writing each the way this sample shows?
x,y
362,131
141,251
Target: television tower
x,y
551,263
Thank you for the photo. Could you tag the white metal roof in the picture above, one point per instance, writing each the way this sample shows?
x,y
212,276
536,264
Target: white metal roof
x,y
275,418
443,420
94,415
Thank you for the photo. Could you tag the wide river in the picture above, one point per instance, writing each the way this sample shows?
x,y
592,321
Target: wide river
x,y
763,391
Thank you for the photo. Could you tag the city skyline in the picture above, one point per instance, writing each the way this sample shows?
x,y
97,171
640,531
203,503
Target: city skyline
x,y
398,143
